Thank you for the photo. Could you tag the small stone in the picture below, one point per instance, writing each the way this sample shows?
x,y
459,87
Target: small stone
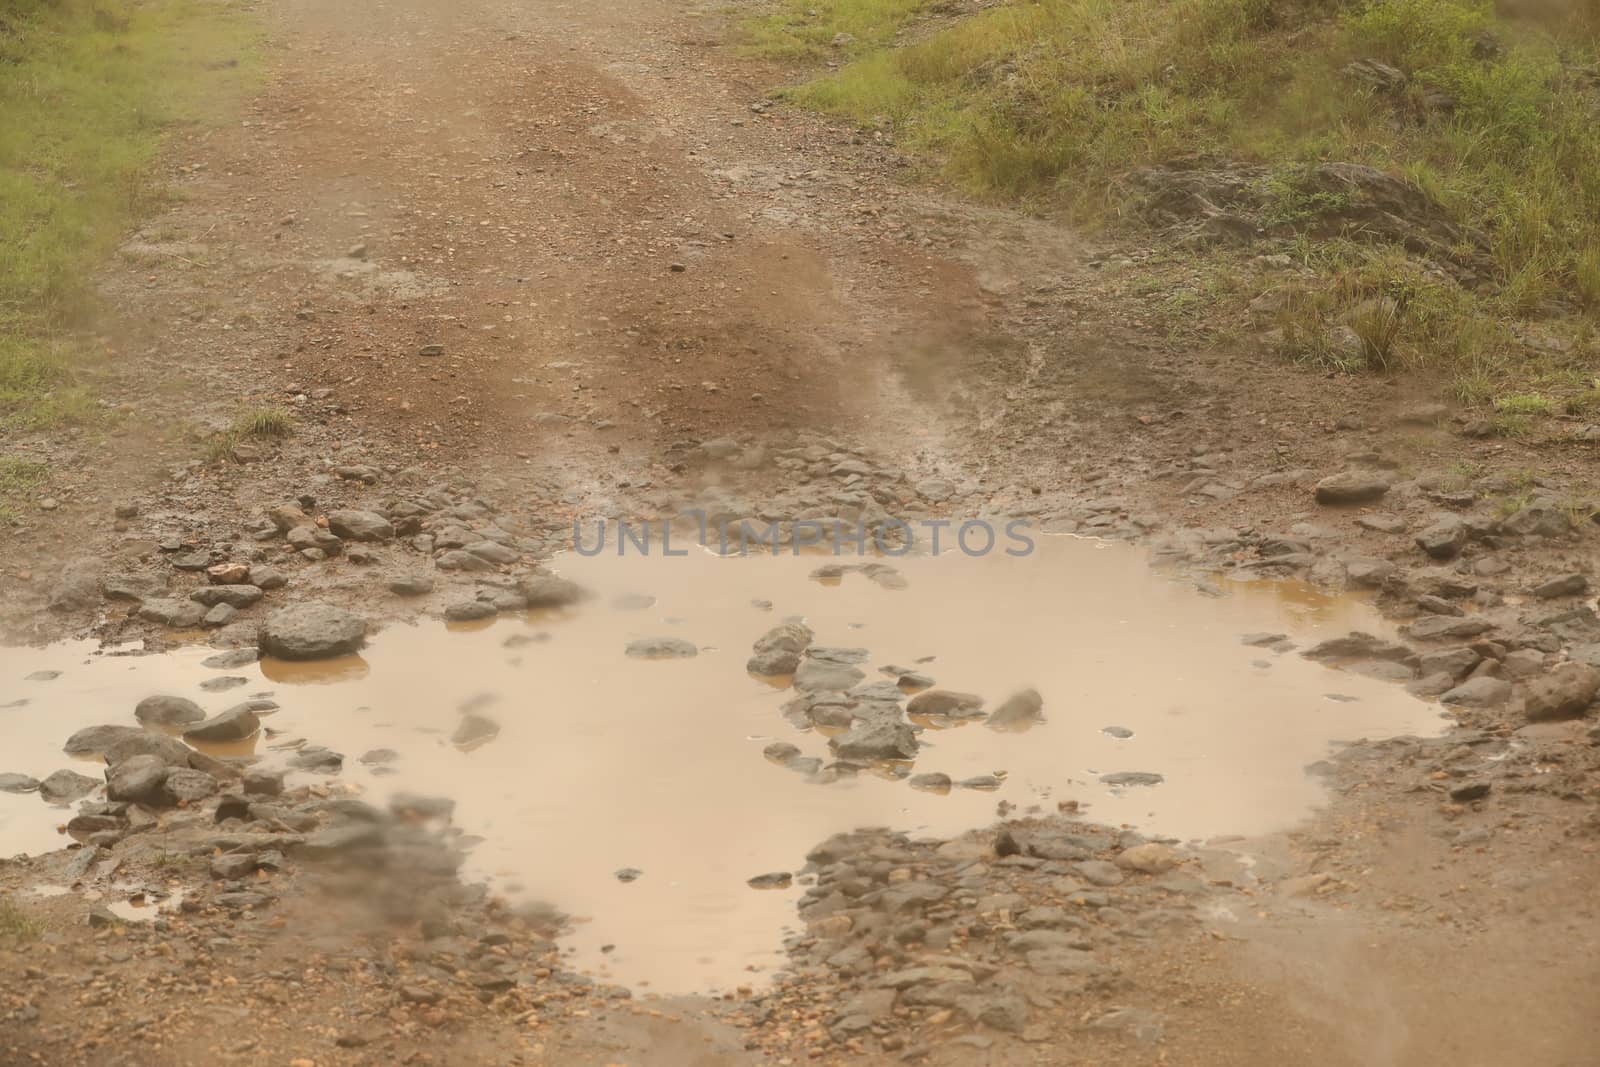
x,y
1351,487
235,724
1444,539
1481,692
353,525
228,573
548,591
1564,693
220,615
1469,791
1131,778
411,585
945,702
11,782
470,611
65,786
628,874
137,778
775,880
932,782
1149,858
662,648
263,783
431,351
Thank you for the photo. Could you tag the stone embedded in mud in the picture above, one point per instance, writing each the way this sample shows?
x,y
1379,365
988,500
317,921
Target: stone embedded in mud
x,y
876,741
133,586
1481,692
263,577
774,880
354,525
235,724
234,865
1020,711
234,596
186,785
1368,572
417,806
78,588
492,552
1351,487
181,614
231,659
168,711
138,779
64,786
263,783
1542,518
1566,585
661,648
548,591
1444,539
470,611
946,702
1149,858
1439,627
1126,778
411,585
95,740
818,676
780,752
312,631
232,573
1456,662
317,758
984,782
1564,693
12,782
933,782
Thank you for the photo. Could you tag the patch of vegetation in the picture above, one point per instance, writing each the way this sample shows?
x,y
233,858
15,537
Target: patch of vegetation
x,y
262,423
87,88
18,479
1494,116
16,923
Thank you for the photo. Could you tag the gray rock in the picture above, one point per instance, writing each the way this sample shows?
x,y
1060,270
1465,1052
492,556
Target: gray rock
x,y
64,786
1566,585
137,779
231,659
235,724
1439,627
411,585
78,588
234,866
1564,693
1099,872
1127,778
984,782
1456,662
1381,522
778,650
1351,487
317,758
1444,539
1368,572
492,552
12,782
168,711
180,614
264,783
823,676
877,740
220,615
353,525
661,648
417,806
264,577
932,782
1539,519
548,591
774,880
169,750
312,631
134,586
780,752
470,610
95,740
184,785
1356,645
1480,692
946,702
459,559
235,596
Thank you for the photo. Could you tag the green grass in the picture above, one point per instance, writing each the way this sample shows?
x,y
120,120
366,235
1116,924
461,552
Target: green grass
x,y
18,479
262,423
87,89
1052,103
16,923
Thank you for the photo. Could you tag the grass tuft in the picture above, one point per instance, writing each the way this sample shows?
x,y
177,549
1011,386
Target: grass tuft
x,y
16,923
263,423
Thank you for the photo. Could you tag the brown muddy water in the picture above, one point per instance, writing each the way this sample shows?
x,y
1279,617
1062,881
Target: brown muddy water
x,y
605,762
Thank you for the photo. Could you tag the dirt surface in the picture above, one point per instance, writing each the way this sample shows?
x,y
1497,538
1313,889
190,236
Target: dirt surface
x,y
649,288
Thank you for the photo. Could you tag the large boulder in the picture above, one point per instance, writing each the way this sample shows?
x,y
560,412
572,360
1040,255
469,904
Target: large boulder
x,y
312,631
1564,693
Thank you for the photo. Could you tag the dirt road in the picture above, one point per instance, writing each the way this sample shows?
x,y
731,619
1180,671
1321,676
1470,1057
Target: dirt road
x,y
547,253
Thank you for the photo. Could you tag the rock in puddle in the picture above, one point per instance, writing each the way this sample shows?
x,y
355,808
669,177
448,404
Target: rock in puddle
x,y
661,648
1019,712
312,631
168,711
777,652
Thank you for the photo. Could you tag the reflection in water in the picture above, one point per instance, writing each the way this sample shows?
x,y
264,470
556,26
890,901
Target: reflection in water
x,y
586,761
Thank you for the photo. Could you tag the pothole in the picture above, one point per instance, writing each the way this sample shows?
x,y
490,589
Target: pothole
x,y
641,794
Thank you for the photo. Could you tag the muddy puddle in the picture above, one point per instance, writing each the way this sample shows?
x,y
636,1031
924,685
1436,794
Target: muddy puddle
x,y
608,763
